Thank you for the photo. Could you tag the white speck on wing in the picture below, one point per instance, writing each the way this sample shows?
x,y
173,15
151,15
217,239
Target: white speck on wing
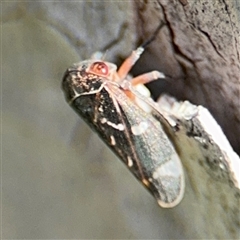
x,y
130,162
139,128
150,179
169,168
119,126
145,182
100,109
113,141
103,120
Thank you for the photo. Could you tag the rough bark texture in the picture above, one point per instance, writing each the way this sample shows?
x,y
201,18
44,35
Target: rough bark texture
x,y
200,49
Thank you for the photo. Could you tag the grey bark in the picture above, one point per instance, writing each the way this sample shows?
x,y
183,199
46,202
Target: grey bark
x,y
200,49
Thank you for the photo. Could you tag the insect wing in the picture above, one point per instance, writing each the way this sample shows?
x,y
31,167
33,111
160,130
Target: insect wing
x,y
134,135
155,159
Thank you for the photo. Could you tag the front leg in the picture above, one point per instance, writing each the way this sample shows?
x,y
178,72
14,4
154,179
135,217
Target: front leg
x,y
129,63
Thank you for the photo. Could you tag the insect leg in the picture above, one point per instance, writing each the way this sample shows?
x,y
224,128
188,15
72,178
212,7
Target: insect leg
x,y
129,62
138,82
147,77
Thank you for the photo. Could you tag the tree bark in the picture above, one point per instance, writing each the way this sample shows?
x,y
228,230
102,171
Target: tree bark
x,y
200,49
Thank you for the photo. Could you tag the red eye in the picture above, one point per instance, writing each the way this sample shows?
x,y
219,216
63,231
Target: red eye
x,y
99,68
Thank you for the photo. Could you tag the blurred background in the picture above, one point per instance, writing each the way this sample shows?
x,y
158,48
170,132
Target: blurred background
x,y
58,179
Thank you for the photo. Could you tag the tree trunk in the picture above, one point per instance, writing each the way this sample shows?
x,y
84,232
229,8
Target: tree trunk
x,y
200,49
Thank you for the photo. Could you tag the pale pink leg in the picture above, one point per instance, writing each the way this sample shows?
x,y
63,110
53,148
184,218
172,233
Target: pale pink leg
x,y
129,62
147,77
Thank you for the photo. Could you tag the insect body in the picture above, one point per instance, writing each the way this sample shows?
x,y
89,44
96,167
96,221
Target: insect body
x,y
105,98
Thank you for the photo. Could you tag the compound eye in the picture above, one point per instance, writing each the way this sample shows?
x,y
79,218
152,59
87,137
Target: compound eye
x,y
99,68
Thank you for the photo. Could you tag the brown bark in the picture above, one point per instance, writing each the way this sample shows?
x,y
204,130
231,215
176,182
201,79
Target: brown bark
x,y
200,49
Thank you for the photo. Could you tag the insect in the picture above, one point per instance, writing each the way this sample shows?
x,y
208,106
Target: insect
x,y
128,122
